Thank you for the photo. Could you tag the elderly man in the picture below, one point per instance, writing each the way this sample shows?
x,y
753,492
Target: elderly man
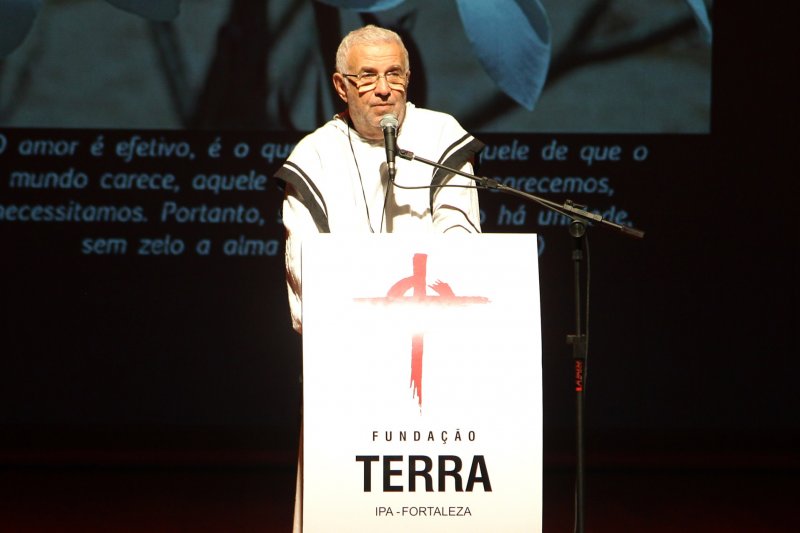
x,y
337,177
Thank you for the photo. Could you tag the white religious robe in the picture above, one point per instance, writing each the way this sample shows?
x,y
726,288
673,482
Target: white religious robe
x,y
338,183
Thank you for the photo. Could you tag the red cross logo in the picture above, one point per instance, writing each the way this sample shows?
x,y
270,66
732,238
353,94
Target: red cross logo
x,y
417,284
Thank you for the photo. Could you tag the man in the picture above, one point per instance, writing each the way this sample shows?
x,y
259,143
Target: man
x,y
337,178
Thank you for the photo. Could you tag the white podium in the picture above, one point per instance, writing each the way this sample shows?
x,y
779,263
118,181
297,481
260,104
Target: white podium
x,y
422,384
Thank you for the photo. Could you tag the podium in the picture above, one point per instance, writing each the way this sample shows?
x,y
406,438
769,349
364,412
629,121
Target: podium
x,y
422,383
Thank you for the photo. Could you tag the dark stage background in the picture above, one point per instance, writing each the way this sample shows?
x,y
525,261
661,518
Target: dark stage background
x,y
138,332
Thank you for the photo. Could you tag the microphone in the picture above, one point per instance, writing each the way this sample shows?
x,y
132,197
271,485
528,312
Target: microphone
x,y
389,125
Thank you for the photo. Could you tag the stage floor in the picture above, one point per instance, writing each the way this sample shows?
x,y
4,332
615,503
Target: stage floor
x,y
45,499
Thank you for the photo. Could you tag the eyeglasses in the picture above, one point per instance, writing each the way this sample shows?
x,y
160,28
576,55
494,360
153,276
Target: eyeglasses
x,y
366,81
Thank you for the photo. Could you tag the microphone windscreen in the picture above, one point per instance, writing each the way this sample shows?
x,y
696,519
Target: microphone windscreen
x,y
389,121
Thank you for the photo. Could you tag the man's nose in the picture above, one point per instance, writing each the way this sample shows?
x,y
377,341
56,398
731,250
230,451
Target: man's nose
x,y
382,86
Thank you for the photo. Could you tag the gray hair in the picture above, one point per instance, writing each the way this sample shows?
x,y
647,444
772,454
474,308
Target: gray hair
x,y
367,35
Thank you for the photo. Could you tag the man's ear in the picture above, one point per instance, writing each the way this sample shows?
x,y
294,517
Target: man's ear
x,y
339,85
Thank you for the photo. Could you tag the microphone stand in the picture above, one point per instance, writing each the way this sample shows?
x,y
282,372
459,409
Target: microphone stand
x,y
579,340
